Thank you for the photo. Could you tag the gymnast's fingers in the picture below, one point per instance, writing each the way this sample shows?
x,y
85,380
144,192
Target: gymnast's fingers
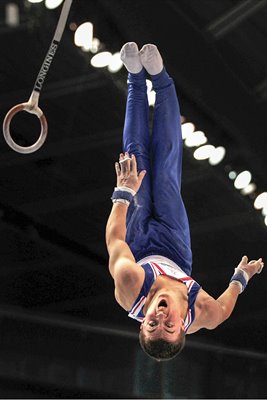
x,y
133,164
117,168
125,163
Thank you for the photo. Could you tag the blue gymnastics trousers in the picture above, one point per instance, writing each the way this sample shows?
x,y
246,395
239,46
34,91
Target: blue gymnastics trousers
x,y
157,222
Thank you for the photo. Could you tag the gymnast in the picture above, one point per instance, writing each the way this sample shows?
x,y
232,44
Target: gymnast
x,y
147,232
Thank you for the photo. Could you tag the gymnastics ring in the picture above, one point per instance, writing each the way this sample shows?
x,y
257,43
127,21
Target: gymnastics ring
x,y
6,128
32,105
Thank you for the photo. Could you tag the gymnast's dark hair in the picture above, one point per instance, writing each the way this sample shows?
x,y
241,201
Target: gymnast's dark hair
x,y
162,350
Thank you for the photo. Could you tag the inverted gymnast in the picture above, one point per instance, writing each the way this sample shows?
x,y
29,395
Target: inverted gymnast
x,y
147,233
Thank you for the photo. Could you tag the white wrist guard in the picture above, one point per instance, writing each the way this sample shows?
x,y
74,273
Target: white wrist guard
x,y
240,278
123,194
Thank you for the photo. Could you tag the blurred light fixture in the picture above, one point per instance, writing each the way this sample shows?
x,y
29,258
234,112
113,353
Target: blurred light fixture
x,y
204,152
95,45
232,175
195,139
151,94
250,188
12,14
52,4
261,201
35,1
149,85
101,60
187,129
217,156
242,180
83,36
115,63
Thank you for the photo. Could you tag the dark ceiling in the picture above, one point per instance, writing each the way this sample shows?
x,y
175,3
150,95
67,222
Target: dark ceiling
x,y
55,202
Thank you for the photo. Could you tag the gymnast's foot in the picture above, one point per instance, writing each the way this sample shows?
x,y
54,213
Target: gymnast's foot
x,y
151,59
130,57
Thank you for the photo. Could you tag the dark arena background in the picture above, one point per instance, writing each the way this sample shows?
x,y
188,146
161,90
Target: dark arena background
x,y
62,335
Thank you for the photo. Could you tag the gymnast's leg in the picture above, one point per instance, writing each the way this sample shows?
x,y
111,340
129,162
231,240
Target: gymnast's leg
x,y
136,140
167,149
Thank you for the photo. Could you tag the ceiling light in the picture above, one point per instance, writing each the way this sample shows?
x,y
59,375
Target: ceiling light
x,y
250,188
115,63
101,60
195,139
187,129
95,45
149,85
261,201
151,96
217,156
232,175
12,14
83,36
52,4
35,1
242,180
204,152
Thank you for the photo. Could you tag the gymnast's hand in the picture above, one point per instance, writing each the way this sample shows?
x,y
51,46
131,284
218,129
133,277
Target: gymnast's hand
x,y
126,170
251,267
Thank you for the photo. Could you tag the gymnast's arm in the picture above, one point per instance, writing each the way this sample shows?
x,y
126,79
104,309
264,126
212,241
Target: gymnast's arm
x,y
215,312
128,276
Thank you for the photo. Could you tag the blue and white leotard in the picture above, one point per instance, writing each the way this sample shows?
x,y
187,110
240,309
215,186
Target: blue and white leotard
x,y
155,266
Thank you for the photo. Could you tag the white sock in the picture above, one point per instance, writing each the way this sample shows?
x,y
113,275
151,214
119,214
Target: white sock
x,y
151,59
130,57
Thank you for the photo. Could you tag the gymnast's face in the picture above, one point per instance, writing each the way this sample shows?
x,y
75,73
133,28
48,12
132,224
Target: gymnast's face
x,y
162,320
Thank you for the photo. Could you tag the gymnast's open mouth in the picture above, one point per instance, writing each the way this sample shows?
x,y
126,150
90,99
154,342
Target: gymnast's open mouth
x,y
162,303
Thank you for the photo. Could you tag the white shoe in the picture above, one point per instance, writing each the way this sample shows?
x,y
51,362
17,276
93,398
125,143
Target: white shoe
x,y
129,55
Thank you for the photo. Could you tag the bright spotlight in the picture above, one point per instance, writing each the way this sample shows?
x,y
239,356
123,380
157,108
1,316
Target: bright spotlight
x,y
195,139
187,129
242,180
149,85
95,45
35,1
217,156
101,60
261,201
250,188
83,36
204,152
115,63
151,96
232,175
12,14
52,4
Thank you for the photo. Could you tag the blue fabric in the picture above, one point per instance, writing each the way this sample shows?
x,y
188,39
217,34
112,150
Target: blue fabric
x,y
157,222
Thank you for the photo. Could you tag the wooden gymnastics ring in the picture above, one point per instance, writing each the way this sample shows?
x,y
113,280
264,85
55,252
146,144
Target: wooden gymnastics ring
x,y
32,105
6,128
